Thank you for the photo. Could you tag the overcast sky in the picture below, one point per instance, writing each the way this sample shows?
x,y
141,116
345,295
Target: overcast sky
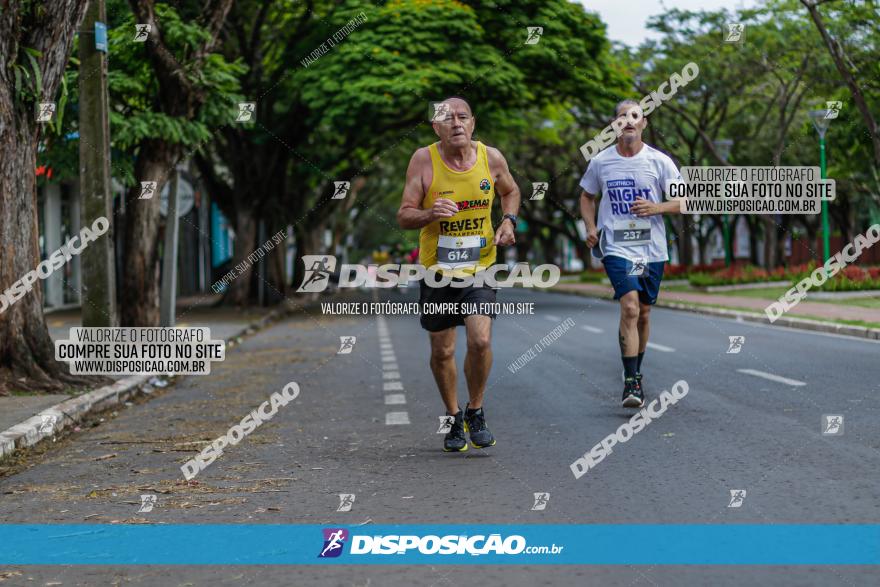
x,y
626,18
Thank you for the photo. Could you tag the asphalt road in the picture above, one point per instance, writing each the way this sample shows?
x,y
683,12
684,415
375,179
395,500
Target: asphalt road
x,y
751,420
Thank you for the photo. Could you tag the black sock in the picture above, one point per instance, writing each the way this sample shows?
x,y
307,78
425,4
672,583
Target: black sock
x,y
471,411
639,364
630,366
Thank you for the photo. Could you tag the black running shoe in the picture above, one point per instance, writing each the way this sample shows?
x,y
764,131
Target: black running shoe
x,y
455,440
475,424
632,394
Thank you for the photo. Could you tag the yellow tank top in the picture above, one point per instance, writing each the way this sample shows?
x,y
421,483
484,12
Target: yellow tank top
x,y
464,242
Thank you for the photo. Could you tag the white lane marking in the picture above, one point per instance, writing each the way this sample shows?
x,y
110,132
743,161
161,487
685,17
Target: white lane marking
x,y
552,318
660,347
396,418
391,371
772,377
592,329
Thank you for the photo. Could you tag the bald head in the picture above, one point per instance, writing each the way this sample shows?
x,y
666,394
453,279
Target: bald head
x,y
458,101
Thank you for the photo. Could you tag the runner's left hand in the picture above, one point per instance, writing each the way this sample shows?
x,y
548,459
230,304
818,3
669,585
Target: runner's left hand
x,y
504,234
642,207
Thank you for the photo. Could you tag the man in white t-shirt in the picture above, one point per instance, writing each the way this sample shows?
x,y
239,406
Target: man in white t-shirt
x,y
630,237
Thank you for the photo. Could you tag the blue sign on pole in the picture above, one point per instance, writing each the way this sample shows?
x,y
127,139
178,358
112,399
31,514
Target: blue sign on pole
x,y
221,243
100,36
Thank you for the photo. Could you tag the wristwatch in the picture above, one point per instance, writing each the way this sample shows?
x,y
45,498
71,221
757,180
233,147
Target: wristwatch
x,y
511,217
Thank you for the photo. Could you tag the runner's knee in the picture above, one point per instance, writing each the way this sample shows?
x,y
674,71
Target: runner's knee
x,y
479,343
442,352
629,310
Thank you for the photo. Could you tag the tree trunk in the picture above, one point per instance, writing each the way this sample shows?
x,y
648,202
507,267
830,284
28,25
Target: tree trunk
x,y
771,236
685,245
140,281
548,243
245,244
780,242
702,241
308,242
27,354
523,246
277,274
753,239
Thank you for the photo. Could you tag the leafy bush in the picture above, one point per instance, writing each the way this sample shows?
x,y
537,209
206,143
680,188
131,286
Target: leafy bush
x,y
685,271
851,278
592,276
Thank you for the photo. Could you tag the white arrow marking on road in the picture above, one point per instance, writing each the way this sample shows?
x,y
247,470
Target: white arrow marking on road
x,y
593,329
772,377
390,367
660,347
392,386
552,318
391,375
390,358
395,418
393,399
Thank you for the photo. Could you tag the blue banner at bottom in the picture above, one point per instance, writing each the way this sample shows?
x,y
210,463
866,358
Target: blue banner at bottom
x,y
607,544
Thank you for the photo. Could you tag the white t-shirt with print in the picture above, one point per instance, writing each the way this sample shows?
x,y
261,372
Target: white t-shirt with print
x,y
620,180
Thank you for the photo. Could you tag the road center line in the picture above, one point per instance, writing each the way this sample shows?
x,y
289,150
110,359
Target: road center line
x,y
772,377
660,347
394,399
391,379
396,418
593,329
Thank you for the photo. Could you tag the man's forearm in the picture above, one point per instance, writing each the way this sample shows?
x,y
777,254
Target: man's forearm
x,y
671,206
413,218
510,202
588,212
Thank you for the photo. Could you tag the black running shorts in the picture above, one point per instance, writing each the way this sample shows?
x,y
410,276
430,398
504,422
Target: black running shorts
x,y
435,321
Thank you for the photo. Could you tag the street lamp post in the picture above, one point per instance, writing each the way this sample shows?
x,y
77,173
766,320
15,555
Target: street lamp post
x,y
723,147
821,121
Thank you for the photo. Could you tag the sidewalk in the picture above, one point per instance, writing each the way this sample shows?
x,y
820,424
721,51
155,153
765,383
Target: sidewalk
x,y
225,323
819,310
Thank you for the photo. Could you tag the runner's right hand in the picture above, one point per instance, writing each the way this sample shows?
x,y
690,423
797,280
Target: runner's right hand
x,y
592,238
443,208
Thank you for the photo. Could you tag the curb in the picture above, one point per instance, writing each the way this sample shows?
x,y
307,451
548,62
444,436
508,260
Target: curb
x,y
50,421
790,322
